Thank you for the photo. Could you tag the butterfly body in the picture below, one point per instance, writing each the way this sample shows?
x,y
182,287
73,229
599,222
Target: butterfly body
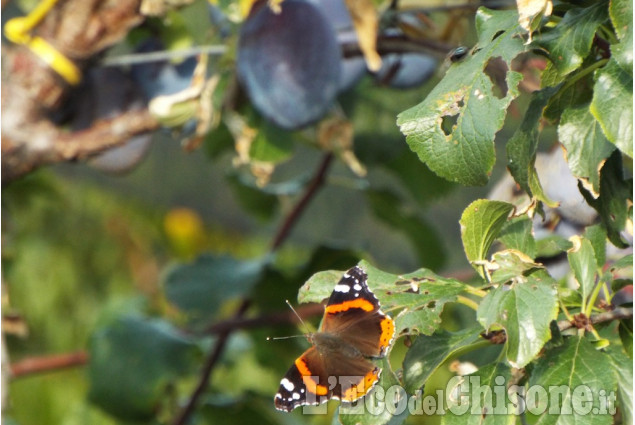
x,y
338,365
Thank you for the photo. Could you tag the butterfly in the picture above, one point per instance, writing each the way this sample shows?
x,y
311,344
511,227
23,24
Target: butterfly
x,y
338,366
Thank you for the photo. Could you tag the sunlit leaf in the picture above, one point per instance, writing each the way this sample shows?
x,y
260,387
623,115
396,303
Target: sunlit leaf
x,y
580,372
427,353
480,223
524,310
612,105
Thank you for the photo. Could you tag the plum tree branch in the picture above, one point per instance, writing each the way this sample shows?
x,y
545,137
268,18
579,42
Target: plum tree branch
x,y
224,331
42,364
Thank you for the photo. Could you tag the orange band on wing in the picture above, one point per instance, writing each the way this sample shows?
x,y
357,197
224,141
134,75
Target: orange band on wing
x,y
357,391
387,332
347,305
311,385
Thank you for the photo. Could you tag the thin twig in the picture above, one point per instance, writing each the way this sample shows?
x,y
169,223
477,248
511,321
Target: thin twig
x,y
305,311
298,209
42,364
206,373
225,330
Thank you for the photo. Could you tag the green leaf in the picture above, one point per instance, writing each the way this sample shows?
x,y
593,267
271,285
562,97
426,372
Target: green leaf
x,y
427,353
524,310
132,362
552,246
521,148
615,196
570,41
200,288
271,144
584,265
480,223
391,210
586,146
625,330
423,184
569,368
612,105
511,265
481,401
254,200
569,95
420,295
464,152
517,234
621,13
596,234
387,396
623,368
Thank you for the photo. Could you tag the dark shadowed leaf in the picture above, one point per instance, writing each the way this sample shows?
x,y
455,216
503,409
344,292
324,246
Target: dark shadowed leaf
x,y
200,288
132,362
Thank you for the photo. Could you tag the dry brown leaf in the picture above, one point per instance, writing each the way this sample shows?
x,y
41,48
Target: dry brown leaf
x,y
336,135
365,21
529,10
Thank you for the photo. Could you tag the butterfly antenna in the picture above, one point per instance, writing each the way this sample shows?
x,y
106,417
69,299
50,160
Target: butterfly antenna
x,y
306,328
273,338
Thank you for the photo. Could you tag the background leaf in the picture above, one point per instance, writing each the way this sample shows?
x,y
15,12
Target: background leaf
x,y
623,368
200,288
132,363
517,234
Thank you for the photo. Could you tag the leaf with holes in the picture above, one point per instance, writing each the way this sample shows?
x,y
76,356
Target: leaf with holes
x,y
419,296
576,374
587,148
570,41
453,129
612,105
524,310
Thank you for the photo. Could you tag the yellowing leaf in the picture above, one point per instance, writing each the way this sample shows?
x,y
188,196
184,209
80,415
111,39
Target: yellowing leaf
x,y
365,20
528,10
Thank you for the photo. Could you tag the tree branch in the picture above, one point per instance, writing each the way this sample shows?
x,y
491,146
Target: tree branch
x,y
296,212
42,364
620,313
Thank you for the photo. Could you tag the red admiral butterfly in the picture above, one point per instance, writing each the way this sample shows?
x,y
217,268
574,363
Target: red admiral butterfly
x,y
337,366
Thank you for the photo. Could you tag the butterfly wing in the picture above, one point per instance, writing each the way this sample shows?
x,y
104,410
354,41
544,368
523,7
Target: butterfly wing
x,y
353,314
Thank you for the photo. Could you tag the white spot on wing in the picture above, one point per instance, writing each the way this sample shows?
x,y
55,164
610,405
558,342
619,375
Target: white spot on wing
x,y
288,385
296,396
342,288
357,287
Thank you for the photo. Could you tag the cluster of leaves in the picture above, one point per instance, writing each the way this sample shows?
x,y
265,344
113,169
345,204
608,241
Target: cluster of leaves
x,y
142,367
